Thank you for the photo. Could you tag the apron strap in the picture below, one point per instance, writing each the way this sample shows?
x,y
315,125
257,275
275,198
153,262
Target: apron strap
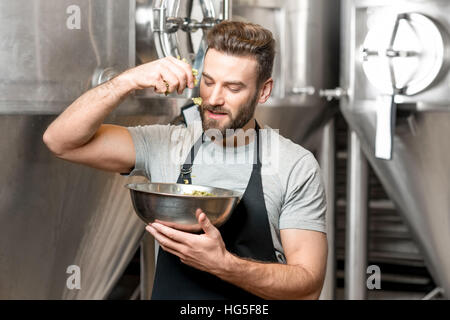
x,y
186,168
246,234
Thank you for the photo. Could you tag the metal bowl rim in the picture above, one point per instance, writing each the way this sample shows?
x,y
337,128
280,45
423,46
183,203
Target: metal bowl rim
x,y
235,193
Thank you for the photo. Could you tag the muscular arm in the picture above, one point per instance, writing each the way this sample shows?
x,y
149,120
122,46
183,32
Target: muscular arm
x,y
301,278
78,134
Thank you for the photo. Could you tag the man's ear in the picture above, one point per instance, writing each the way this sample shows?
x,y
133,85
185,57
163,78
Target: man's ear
x,y
266,90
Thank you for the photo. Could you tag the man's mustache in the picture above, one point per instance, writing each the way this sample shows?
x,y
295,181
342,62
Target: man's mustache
x,y
215,109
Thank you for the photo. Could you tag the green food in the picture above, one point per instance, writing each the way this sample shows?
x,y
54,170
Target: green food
x,y
198,101
200,193
194,71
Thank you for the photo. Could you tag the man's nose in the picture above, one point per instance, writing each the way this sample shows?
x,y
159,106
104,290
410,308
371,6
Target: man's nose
x,y
216,98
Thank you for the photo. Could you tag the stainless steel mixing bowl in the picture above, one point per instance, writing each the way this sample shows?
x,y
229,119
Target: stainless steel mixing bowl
x,y
172,204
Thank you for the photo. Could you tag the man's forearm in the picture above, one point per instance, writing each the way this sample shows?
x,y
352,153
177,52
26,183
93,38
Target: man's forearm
x,y
81,120
270,280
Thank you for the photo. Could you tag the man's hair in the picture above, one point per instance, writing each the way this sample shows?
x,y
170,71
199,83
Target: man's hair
x,y
245,39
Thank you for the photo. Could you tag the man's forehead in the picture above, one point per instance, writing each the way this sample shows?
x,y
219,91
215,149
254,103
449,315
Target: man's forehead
x,y
231,68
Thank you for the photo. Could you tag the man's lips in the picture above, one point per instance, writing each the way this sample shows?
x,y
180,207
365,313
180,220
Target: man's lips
x,y
215,115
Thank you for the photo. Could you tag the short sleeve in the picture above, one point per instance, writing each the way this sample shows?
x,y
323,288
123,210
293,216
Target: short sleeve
x,y
304,205
148,141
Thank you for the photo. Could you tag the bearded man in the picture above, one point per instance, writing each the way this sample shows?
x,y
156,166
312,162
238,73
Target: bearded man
x,y
274,244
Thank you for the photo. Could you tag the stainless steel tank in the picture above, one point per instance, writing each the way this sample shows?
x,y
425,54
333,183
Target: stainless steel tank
x,y
395,70
307,62
56,216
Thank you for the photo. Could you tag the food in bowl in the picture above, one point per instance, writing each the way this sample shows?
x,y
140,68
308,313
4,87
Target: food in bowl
x,y
200,193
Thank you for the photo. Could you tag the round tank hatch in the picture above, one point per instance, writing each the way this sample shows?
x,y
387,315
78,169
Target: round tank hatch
x,y
180,27
403,57
176,28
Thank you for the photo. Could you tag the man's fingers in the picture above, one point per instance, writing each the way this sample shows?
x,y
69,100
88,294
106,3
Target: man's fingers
x,y
180,73
176,235
165,241
161,86
206,224
166,80
167,76
187,69
197,213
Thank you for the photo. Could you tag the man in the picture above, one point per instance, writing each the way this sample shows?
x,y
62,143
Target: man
x,y
274,244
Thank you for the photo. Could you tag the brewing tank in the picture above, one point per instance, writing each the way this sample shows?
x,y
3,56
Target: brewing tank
x,y
59,220
395,70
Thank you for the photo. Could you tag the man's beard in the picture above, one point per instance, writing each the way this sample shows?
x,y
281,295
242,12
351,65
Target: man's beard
x,y
244,115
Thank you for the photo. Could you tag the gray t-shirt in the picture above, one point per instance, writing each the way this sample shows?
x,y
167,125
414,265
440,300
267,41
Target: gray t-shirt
x,y
293,189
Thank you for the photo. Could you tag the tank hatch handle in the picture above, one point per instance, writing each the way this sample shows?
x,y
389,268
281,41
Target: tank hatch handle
x,y
386,108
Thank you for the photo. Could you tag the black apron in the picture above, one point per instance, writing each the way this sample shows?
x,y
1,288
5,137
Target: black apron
x,y
246,234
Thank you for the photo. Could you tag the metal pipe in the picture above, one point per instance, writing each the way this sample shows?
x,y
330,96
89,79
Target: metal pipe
x,y
226,9
356,221
433,294
328,166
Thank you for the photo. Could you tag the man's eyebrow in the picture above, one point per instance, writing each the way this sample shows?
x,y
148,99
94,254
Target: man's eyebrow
x,y
236,83
206,75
